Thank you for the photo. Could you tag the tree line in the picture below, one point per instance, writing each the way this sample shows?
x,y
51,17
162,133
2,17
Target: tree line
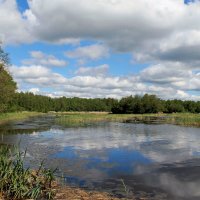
x,y
12,101
127,105
153,104
31,102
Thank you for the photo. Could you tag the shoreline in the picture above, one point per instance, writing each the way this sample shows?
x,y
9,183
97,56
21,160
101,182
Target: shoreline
x,y
76,119
67,192
15,116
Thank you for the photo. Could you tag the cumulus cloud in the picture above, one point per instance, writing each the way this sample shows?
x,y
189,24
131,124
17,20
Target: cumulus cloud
x,y
112,20
40,58
121,23
165,27
91,85
167,35
97,71
37,75
172,74
165,73
91,52
13,27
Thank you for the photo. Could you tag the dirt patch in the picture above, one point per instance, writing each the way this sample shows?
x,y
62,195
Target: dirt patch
x,y
68,193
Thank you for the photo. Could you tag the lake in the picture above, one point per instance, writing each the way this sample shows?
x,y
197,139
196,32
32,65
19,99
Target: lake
x,y
158,161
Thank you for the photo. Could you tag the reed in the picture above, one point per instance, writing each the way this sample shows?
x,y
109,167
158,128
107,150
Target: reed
x,y
6,117
185,119
18,182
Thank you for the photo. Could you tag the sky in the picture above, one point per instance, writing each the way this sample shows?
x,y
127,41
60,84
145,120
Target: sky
x,y
103,48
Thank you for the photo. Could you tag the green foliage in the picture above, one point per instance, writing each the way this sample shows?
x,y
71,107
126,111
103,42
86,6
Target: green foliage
x,y
7,88
39,103
17,182
138,105
4,58
7,85
127,105
152,104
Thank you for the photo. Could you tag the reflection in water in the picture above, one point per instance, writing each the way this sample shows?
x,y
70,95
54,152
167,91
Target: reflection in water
x,y
161,161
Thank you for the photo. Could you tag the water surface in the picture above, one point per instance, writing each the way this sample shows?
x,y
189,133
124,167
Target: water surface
x,y
157,161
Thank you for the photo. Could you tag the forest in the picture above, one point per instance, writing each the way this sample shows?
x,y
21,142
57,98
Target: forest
x,y
127,105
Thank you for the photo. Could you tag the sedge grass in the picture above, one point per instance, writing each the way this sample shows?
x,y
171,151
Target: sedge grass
x,y
18,182
85,119
185,119
6,117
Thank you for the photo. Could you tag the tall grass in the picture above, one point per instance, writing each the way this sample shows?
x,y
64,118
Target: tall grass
x,y
18,182
6,117
185,119
85,119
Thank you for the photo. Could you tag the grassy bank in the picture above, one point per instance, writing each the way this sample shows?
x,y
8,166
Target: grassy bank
x,y
17,182
85,119
184,119
6,117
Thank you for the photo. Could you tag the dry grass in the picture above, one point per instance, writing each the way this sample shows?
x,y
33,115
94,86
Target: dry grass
x,y
68,193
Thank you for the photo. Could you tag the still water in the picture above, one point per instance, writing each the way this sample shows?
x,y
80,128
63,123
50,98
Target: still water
x,y
157,161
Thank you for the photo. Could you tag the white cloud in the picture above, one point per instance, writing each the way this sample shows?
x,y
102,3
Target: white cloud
x,y
88,86
97,71
121,24
117,21
34,90
13,27
40,58
168,35
36,75
91,52
33,71
165,73
175,75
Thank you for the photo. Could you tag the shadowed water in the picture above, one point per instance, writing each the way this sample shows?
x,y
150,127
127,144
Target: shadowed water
x,y
155,161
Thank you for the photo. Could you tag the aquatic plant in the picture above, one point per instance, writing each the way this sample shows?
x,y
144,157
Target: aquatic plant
x,y
128,192
18,182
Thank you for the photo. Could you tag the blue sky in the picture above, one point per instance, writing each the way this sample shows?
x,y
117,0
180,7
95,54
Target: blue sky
x,y
105,48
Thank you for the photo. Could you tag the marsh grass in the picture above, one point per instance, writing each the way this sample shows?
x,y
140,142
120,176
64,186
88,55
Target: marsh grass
x,y
86,119
6,117
18,182
185,119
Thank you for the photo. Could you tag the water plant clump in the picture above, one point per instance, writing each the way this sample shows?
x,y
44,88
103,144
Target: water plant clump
x,y
18,182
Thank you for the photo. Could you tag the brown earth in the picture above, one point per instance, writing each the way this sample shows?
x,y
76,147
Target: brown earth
x,y
68,193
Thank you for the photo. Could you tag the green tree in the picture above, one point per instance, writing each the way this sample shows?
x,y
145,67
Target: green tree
x,y
7,85
4,58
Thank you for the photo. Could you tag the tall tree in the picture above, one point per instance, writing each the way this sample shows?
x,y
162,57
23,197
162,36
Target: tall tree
x,y
4,58
7,84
